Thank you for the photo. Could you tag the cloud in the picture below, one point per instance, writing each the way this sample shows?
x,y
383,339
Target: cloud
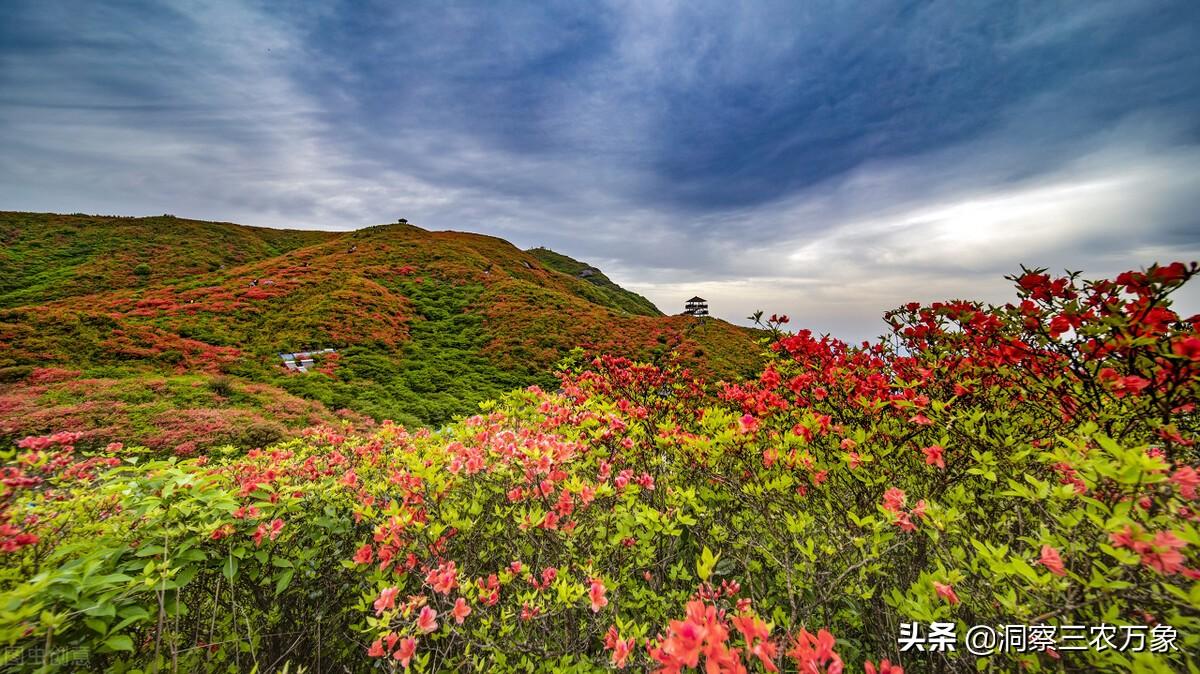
x,y
818,159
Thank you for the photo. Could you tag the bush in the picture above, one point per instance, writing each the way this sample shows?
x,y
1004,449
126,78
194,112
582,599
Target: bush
x,y
142,270
222,386
14,373
1025,464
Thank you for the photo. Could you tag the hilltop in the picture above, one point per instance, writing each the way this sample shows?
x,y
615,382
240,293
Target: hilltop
x,y
175,321
607,292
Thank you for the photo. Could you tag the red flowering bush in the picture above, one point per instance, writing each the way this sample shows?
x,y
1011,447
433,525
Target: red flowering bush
x,y
1033,463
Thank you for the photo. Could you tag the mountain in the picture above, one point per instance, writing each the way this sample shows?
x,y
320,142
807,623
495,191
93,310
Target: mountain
x,y
46,256
606,292
180,320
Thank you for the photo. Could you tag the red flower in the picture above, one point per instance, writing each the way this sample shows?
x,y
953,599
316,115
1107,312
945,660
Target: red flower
x,y
444,578
1052,561
460,611
757,635
904,521
386,600
919,509
945,592
408,648
1186,479
885,667
427,620
621,648
1059,325
376,650
363,555
621,652
933,456
1187,347
814,654
893,500
596,594
748,424
1164,553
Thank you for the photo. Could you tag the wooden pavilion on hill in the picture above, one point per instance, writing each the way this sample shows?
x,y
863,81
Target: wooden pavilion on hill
x,y
697,306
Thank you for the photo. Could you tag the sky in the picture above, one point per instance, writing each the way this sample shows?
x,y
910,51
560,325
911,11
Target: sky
x,y
827,160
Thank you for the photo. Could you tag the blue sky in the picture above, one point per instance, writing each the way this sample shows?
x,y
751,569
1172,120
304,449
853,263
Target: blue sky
x,y
826,160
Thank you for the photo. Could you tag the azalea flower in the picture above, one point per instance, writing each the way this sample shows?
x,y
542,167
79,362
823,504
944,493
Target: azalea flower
x,y
596,594
815,654
386,600
621,652
1052,561
904,521
363,555
1164,554
427,620
461,610
408,648
945,592
1186,480
748,424
933,456
893,500
885,667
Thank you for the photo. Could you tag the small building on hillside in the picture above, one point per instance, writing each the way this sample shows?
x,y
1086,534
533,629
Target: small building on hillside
x,y
301,361
697,306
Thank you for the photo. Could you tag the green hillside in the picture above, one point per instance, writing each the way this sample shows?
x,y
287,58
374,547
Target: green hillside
x,y
606,292
45,256
425,325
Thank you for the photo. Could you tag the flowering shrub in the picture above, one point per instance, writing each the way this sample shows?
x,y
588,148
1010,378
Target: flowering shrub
x,y
1024,464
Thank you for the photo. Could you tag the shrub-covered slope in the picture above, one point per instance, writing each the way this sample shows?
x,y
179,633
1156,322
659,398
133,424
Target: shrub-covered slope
x,y
425,324
606,292
45,256
1033,464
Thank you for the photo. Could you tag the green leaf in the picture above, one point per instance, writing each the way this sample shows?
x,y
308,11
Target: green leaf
x,y
230,568
285,579
119,642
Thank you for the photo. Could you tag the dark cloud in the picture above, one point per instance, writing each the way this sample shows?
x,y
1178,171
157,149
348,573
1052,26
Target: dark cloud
x,y
827,159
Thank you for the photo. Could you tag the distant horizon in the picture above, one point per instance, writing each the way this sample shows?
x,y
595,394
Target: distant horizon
x,y
1186,304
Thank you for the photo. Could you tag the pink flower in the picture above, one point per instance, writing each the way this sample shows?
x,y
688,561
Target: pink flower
x,y
363,555
427,620
811,653
1164,554
596,594
920,420
621,652
1186,479
885,667
408,648
933,456
904,521
386,600
945,592
444,578
1052,561
893,500
748,424
376,649
461,610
